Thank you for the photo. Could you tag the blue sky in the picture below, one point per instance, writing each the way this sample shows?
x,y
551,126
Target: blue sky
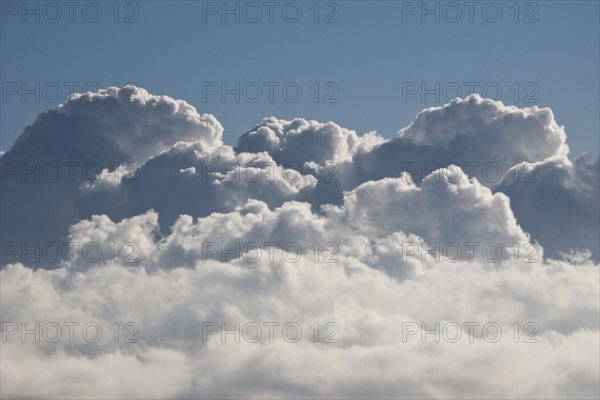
x,y
364,60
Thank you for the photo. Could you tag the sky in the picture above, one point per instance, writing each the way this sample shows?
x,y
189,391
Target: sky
x,y
300,209
360,69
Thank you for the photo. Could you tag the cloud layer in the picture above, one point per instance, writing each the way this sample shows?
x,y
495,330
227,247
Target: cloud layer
x,y
472,214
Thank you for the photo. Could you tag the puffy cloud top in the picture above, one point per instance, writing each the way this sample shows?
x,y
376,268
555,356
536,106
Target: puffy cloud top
x,y
301,141
484,137
446,207
477,124
124,121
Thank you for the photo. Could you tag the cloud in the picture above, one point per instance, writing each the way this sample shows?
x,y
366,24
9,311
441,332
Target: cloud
x,y
300,223
116,125
447,206
558,203
484,137
367,304
300,141
189,179
69,145
123,151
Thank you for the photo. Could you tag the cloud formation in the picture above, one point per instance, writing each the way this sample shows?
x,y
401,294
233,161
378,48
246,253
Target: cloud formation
x,y
482,136
64,147
300,223
300,141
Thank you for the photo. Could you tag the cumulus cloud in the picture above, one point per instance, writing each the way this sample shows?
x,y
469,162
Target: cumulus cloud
x,y
171,305
115,125
102,142
300,141
447,206
484,137
558,203
69,145
190,179
351,238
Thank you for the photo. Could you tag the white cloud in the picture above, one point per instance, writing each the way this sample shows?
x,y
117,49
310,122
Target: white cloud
x,y
369,308
484,137
154,243
300,141
138,123
446,207
66,146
